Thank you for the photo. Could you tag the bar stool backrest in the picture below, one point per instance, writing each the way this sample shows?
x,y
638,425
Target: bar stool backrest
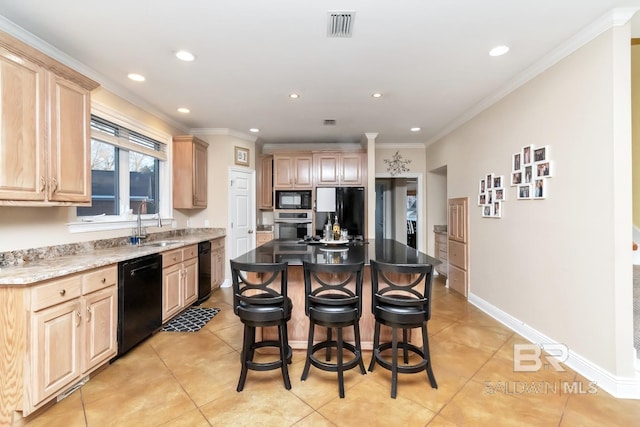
x,y
264,290
333,284
402,285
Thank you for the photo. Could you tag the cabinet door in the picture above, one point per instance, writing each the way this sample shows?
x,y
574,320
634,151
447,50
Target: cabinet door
x,y
199,175
55,344
69,146
100,310
22,129
304,172
283,172
190,281
171,291
458,219
266,183
351,169
326,166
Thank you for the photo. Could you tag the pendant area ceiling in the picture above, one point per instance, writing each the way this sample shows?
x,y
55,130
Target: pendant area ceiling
x,y
429,59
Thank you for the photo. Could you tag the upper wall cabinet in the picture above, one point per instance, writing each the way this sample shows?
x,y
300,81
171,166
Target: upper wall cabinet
x,y
189,172
293,171
332,169
44,129
265,186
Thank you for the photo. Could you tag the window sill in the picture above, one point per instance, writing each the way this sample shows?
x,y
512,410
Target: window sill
x,y
106,223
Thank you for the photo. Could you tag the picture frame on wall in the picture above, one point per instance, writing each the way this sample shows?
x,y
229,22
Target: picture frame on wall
x,y
541,154
539,188
516,178
489,180
499,195
486,211
498,181
543,169
482,187
497,210
528,174
482,199
241,156
516,164
524,191
527,155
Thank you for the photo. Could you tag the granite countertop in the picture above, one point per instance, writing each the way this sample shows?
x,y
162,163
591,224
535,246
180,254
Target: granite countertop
x,y
294,253
441,229
43,269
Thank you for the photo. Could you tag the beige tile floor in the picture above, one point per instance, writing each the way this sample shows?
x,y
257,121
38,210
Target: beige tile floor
x,y
189,379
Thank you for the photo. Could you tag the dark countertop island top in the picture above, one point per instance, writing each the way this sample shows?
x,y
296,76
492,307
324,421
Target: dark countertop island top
x,y
294,253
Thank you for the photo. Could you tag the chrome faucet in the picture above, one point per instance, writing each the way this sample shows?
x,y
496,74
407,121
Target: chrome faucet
x,y
139,234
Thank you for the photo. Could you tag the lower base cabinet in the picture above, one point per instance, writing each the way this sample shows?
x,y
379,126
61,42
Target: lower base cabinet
x,y
73,324
179,280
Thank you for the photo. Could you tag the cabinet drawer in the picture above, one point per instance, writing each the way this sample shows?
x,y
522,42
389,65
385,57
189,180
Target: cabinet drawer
x,y
218,243
171,257
52,293
458,254
442,254
441,238
189,252
457,279
99,279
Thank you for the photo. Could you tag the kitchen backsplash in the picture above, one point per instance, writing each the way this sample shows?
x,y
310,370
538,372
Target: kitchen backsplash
x,y
27,255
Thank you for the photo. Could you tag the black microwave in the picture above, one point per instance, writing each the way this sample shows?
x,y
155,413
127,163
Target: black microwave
x,y
293,199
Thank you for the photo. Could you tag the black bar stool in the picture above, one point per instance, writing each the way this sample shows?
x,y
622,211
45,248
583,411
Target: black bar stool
x,y
401,304
333,300
262,303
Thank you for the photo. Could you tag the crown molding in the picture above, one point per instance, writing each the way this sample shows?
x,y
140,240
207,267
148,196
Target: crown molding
x,y
311,146
391,145
613,18
223,131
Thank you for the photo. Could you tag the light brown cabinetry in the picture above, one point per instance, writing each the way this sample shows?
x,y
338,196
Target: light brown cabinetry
x,y
44,129
265,186
332,169
179,280
262,238
73,323
217,263
293,171
189,172
458,251
441,253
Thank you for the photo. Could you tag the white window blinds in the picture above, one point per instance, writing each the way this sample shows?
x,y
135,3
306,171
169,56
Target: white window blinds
x,y
111,133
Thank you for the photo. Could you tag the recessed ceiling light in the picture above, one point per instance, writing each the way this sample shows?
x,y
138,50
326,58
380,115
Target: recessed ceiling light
x,y
183,110
294,96
185,56
415,129
136,77
254,130
499,50
376,95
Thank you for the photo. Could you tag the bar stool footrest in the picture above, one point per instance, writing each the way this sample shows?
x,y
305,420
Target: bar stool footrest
x,y
267,366
333,367
405,369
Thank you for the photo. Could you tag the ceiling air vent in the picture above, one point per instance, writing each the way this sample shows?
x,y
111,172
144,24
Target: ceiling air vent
x,y
329,122
340,23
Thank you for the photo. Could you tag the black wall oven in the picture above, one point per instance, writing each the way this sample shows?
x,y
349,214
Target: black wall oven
x,y
293,199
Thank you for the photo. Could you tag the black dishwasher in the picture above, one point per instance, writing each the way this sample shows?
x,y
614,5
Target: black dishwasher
x,y
139,300
204,271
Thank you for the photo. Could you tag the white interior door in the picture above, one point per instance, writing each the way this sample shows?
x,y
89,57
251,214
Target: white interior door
x,y
241,211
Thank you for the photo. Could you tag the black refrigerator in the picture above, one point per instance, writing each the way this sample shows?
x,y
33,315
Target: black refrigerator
x,y
345,202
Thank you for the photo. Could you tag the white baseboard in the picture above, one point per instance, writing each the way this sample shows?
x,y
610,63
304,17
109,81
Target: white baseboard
x,y
619,387
226,283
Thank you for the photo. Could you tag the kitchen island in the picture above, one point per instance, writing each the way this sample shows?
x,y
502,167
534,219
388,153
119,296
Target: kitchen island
x,y
295,253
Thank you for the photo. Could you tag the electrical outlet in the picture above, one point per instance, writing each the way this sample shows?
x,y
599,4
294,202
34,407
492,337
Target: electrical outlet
x,y
206,222
188,223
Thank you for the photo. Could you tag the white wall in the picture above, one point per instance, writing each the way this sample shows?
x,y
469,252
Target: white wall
x,y
562,265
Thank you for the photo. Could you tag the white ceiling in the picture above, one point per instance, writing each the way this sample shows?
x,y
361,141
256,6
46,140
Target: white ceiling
x,y
428,57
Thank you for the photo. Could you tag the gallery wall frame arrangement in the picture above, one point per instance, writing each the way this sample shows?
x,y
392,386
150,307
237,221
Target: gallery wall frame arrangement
x,y
531,168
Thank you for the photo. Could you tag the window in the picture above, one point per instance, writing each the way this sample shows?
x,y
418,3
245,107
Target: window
x,y
126,169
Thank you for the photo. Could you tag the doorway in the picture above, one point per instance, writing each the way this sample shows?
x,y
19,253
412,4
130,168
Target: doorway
x,y
400,211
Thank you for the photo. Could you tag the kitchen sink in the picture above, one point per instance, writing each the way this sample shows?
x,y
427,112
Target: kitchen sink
x,y
163,243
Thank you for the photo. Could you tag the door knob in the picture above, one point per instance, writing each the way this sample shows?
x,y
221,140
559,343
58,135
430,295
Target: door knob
x,y
250,231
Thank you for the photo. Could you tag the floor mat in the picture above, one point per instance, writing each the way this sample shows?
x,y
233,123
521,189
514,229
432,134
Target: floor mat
x,y
191,320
